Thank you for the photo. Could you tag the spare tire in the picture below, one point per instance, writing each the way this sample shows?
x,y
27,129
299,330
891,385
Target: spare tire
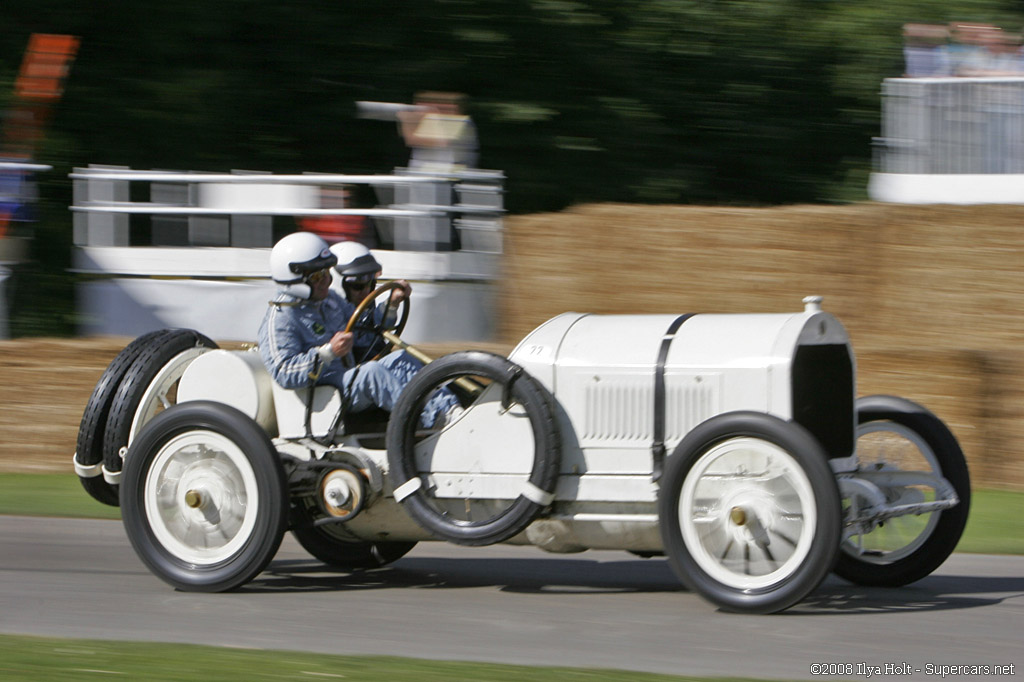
x,y
518,388
89,446
162,351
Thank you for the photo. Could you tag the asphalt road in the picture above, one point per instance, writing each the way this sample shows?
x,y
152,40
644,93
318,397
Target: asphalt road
x,y
79,578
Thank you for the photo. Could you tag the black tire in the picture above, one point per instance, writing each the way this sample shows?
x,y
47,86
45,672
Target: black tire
x,y
937,532
100,490
241,499
523,390
337,549
763,520
89,446
150,360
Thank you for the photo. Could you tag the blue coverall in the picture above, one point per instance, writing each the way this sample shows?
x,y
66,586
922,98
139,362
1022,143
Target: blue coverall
x,y
294,342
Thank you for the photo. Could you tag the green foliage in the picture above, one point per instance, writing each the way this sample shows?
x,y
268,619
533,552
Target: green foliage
x,y
725,101
644,101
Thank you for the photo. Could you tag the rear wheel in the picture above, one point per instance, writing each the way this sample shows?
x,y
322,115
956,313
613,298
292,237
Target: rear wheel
x,y
749,512
320,515
896,437
203,497
335,548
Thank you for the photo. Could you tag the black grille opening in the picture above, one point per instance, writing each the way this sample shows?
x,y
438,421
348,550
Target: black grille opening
x,y
823,396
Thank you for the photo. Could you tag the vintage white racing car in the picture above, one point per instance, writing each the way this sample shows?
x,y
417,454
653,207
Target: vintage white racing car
x,y
732,444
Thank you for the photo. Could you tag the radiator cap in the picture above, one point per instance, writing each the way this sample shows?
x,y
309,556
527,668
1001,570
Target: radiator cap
x,y
812,304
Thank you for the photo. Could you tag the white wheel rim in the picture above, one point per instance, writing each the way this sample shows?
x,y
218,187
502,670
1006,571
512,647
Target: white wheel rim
x,y
155,399
212,528
747,513
901,536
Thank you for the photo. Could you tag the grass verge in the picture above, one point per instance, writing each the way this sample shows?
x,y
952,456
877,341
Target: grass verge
x,y
29,659
995,526
50,495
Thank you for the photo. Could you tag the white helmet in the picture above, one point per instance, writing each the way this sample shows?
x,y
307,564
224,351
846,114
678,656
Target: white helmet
x,y
354,259
297,256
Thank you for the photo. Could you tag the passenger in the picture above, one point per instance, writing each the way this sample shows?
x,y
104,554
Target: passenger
x,y
302,339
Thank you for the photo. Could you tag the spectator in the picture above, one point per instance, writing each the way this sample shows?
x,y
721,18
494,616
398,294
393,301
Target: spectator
x,y
971,51
442,138
996,54
926,51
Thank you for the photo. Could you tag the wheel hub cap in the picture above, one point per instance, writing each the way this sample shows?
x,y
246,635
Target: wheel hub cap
x,y
200,497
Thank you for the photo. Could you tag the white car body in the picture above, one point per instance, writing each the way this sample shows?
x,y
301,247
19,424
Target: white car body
x,y
734,444
601,370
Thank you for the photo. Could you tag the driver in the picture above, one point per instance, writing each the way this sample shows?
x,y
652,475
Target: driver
x,y
302,339
359,271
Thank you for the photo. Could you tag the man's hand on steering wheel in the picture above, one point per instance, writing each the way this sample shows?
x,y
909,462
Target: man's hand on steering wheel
x,y
341,343
398,302
402,293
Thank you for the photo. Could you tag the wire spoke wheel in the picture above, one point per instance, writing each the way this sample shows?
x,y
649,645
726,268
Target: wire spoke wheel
x,y
887,446
897,437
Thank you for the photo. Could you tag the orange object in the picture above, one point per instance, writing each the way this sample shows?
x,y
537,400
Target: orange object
x,y
45,66
39,85
336,228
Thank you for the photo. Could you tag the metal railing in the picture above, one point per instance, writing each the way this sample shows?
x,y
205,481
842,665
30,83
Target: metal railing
x,y
28,167
141,239
420,212
951,126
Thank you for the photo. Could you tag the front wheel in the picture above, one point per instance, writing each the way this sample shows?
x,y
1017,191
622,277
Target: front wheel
x,y
749,512
203,497
896,437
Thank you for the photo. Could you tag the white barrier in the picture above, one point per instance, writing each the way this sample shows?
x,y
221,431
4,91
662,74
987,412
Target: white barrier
x,y
205,263
950,141
940,188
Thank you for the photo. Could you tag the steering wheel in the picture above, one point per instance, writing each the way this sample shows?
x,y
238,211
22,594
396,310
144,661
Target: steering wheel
x,y
356,324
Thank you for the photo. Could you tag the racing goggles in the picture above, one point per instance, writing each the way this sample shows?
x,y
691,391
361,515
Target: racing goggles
x,y
325,260
359,282
318,276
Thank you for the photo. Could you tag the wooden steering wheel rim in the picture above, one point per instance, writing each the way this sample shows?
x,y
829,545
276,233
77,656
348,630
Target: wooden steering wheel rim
x,y
368,302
